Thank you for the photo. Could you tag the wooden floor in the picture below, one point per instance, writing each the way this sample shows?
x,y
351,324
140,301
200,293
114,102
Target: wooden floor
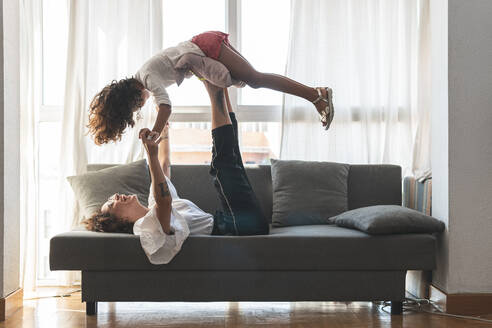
x,y
70,312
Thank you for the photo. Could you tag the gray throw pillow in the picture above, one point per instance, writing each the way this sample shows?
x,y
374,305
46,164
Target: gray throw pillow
x,y
308,192
388,219
92,189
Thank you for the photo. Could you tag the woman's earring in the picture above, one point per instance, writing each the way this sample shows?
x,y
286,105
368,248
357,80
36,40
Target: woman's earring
x,y
139,116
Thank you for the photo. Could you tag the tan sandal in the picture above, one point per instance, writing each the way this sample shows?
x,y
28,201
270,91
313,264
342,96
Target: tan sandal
x,y
329,111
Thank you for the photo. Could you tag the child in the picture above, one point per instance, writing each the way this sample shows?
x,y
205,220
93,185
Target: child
x,y
111,110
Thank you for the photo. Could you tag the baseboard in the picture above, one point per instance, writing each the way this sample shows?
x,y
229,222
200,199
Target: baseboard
x,y
11,303
465,304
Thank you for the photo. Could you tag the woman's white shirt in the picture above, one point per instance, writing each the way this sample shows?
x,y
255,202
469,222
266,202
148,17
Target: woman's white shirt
x,y
186,219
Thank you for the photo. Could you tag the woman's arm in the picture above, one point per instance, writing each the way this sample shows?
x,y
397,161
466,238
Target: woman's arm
x,y
160,189
165,152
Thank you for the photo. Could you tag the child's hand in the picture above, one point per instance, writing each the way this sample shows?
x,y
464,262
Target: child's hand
x,y
149,135
150,140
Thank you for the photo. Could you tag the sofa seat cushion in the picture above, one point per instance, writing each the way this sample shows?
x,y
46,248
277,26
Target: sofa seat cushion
x,y
302,248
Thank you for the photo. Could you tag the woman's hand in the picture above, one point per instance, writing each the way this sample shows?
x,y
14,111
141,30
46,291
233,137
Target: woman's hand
x,y
165,131
150,140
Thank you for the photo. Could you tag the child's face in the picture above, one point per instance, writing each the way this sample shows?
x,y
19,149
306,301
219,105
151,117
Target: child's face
x,y
145,96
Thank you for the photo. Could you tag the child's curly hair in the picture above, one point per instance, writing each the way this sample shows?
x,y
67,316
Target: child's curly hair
x,y
105,222
111,110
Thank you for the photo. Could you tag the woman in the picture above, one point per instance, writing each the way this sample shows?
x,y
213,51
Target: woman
x,y
166,223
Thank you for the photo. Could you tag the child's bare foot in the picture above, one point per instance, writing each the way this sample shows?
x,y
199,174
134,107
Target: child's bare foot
x,y
324,106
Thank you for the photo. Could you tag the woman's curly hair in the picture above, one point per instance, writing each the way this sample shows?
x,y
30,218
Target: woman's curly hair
x,y
105,222
111,110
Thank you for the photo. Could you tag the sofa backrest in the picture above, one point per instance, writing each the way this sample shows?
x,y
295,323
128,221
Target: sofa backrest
x,y
374,185
193,182
367,185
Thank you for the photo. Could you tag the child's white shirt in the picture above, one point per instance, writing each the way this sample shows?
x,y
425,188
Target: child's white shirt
x,y
160,71
186,219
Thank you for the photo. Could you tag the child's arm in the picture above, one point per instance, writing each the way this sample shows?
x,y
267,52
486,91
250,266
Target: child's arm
x,y
163,114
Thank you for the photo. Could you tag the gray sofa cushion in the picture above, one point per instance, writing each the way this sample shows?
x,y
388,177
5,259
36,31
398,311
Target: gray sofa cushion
x,y
306,193
374,185
388,219
317,247
93,189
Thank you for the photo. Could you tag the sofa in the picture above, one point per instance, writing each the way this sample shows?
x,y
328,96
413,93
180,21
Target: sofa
x,y
293,263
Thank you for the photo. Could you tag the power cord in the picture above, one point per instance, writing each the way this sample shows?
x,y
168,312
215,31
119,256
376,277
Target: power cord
x,y
415,304
52,296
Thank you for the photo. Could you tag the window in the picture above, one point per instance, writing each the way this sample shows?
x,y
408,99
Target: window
x,y
205,16
191,142
47,192
55,33
258,110
54,48
263,42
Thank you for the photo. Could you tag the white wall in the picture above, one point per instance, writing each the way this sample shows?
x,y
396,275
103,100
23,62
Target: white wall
x,y
439,133
9,147
462,143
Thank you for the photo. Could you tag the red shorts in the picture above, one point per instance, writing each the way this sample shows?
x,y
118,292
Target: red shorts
x,y
209,42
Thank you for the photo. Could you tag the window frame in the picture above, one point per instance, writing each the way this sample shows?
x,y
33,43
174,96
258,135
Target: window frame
x,y
246,113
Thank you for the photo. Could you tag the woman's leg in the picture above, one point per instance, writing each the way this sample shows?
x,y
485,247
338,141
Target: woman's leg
x,y
241,208
235,126
242,70
220,113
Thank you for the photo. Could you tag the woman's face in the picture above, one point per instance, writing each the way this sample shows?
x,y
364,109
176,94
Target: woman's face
x,y
125,207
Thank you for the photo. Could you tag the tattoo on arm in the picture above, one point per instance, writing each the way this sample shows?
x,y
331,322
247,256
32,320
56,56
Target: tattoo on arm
x,y
164,190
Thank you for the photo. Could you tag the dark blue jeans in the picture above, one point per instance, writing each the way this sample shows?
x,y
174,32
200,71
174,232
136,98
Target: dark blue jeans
x,y
241,212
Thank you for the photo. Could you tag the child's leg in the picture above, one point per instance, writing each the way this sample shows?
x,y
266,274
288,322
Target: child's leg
x,y
242,70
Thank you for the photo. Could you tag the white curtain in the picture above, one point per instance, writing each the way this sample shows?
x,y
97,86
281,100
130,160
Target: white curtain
x,y
421,155
30,80
108,40
373,54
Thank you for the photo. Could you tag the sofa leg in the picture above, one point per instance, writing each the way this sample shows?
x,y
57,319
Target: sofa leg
x,y
396,307
91,307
